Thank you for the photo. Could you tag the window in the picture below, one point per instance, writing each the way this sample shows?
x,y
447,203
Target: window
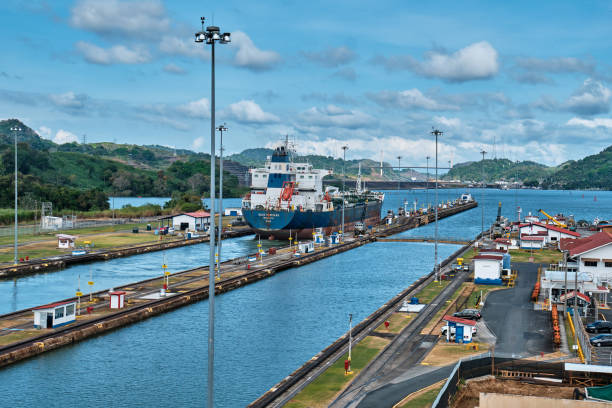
x,y
553,238
309,177
590,263
69,310
257,175
301,176
608,264
59,312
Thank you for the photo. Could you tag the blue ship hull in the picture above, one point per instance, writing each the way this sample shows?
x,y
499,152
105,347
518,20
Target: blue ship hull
x,y
279,224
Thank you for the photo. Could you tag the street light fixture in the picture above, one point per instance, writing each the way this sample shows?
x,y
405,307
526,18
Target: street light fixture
x,y
211,36
344,149
15,130
436,133
221,129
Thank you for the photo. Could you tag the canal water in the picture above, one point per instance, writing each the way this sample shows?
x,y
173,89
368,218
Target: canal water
x,y
264,331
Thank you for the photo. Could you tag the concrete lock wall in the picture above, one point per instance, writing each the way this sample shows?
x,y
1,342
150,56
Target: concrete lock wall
x,y
492,400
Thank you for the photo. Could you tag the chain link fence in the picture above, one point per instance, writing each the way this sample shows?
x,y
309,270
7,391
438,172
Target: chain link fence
x,y
582,336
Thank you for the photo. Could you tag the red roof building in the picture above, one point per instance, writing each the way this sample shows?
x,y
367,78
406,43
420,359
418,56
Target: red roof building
x,y
466,322
578,247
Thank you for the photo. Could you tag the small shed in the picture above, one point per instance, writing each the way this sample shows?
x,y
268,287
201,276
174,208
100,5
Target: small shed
x,y
65,241
306,247
583,300
502,243
54,314
232,211
487,269
532,242
463,329
117,299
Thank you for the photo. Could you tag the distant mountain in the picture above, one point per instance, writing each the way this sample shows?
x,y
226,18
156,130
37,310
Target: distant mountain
x,y
370,169
499,169
64,173
593,171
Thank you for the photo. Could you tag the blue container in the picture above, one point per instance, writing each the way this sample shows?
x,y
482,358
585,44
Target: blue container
x,y
506,261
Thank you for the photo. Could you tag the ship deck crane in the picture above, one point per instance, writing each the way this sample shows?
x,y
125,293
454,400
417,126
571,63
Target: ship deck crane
x,y
560,224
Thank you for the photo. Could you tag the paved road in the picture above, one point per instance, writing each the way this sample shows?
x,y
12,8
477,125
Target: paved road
x,y
520,330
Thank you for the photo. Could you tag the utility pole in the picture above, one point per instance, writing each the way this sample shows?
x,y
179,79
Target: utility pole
x,y
221,129
482,198
344,149
15,130
436,133
399,169
427,184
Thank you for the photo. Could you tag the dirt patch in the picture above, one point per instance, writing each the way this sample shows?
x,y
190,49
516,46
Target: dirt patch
x,y
445,353
467,397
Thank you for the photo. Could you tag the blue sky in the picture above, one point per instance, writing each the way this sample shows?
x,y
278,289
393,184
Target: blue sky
x,y
526,80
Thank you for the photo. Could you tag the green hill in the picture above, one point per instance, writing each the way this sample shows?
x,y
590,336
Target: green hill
x,y
81,177
593,171
498,169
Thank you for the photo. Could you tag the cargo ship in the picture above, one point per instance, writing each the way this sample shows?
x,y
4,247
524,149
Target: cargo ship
x,y
287,199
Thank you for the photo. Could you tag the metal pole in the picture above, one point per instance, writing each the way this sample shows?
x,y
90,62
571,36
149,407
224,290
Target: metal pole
x,y
399,169
220,128
211,262
350,339
565,268
427,185
15,129
437,133
343,177
482,204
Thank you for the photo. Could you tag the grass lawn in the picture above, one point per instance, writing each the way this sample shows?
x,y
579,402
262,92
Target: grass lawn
x,y
429,292
445,353
17,336
322,390
423,398
539,256
397,322
469,255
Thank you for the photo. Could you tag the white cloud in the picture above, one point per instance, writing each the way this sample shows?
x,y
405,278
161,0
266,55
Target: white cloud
x,y
197,143
117,54
249,56
196,109
448,122
332,57
139,18
476,61
64,136
174,69
410,99
68,100
247,111
184,47
44,132
590,123
334,116
592,98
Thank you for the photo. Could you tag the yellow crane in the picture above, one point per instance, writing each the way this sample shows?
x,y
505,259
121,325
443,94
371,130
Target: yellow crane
x,y
560,224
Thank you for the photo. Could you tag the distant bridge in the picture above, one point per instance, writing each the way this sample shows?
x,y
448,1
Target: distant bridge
x,y
442,240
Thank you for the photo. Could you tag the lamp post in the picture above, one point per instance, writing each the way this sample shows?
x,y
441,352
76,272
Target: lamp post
x,y
344,149
15,130
427,185
399,169
210,36
221,129
350,342
436,133
483,186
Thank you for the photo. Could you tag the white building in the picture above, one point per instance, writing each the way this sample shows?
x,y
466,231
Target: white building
x,y
65,241
532,241
551,233
193,221
487,269
54,314
593,255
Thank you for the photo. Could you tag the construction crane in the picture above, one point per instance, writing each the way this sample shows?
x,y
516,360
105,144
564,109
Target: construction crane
x,y
560,224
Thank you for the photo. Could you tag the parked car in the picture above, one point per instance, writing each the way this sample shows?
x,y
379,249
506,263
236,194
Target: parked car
x,y
453,329
601,340
471,314
466,268
600,326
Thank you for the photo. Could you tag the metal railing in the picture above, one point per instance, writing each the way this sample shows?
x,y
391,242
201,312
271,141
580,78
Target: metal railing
x,y
582,336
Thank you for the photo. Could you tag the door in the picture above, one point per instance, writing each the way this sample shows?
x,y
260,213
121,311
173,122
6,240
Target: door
x,y
459,334
49,320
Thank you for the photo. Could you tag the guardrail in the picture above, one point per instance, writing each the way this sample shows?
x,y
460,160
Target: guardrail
x,y
584,345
